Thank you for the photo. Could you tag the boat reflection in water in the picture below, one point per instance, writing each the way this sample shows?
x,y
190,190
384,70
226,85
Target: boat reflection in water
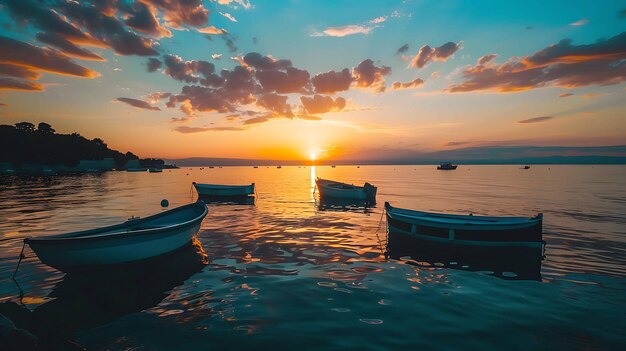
x,y
505,264
87,300
228,200
336,204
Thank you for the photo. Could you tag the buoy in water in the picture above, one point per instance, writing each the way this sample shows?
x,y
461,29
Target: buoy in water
x,y
165,203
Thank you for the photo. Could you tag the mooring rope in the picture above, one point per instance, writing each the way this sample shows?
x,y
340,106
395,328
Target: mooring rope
x,y
380,243
20,260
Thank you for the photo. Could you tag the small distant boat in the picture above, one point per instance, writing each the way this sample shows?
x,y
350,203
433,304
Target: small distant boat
x,y
333,166
466,231
132,241
255,167
211,167
136,170
155,170
525,167
333,189
447,166
223,190
279,166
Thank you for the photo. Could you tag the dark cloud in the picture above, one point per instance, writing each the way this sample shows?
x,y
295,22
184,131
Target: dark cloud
x,y
322,104
291,80
403,49
265,63
255,40
66,46
275,103
536,119
562,64
41,16
257,120
622,13
41,59
427,54
2,104
487,58
138,103
202,72
367,75
15,84
143,18
108,29
332,82
229,40
153,64
415,83
562,95
188,130
18,71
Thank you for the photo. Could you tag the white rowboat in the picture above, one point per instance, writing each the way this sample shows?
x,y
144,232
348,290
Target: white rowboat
x,y
131,241
337,190
224,190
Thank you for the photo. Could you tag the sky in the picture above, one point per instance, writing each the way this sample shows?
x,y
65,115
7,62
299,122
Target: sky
x,y
291,80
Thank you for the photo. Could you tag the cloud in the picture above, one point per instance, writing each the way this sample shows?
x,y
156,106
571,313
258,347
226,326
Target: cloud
x,y
178,13
403,49
2,104
377,20
211,30
456,143
18,72
322,104
427,54
256,120
563,95
188,130
138,103
229,40
40,59
229,16
332,82
276,104
367,75
202,72
345,31
216,56
416,83
143,18
15,84
561,64
536,119
243,3
153,64
67,46
578,23
486,59
622,13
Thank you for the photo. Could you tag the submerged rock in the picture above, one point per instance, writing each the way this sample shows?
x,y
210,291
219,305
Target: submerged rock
x,y
13,338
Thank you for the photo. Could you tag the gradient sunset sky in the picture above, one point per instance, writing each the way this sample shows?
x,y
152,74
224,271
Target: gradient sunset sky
x,y
287,79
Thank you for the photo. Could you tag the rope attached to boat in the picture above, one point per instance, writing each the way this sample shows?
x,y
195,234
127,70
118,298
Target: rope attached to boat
x,y
380,243
20,260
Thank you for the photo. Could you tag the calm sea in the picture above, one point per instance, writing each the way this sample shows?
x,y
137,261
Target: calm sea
x,y
290,273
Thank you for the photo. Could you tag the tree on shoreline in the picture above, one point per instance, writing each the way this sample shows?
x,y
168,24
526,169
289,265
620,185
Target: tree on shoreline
x,y
22,143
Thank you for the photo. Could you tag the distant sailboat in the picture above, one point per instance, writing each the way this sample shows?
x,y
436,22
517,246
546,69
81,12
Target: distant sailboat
x,y
447,166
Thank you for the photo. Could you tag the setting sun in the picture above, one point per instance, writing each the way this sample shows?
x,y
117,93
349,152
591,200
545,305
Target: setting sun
x,y
313,156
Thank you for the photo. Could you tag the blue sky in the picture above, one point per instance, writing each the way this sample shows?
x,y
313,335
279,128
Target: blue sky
x,y
448,102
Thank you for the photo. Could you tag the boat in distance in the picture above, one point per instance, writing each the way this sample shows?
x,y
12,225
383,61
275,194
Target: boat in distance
x,y
135,240
224,190
466,231
447,166
338,190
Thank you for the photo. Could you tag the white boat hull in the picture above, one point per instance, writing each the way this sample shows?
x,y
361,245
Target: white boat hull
x,y
336,190
115,245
